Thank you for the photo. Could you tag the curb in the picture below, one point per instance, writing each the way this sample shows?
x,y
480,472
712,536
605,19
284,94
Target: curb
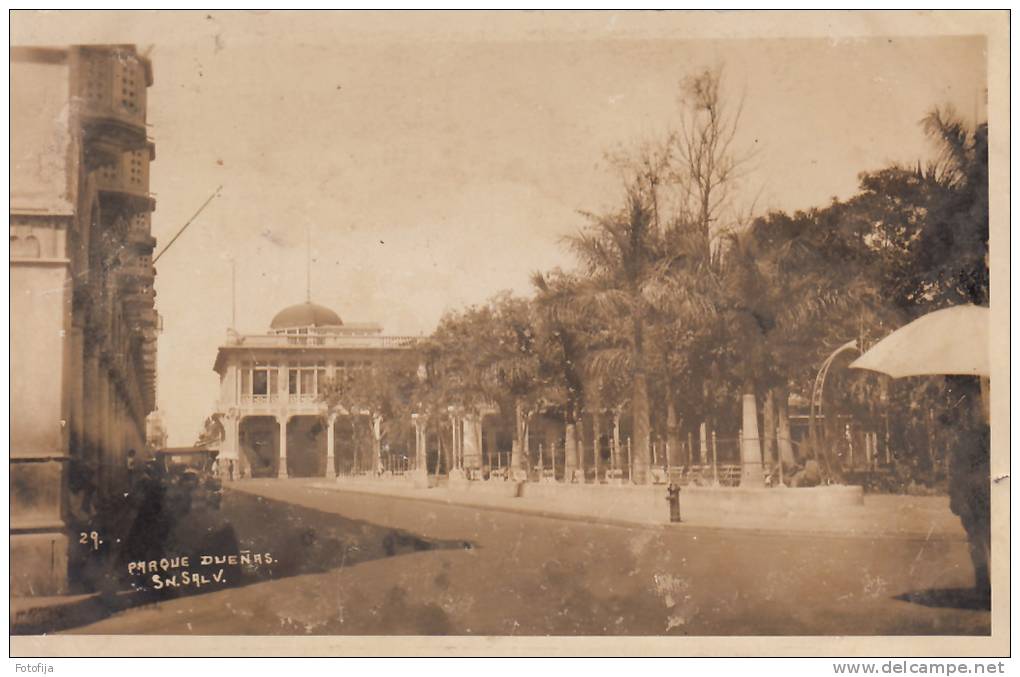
x,y
67,612
632,523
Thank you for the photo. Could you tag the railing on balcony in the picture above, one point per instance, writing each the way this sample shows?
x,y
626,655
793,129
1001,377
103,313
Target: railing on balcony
x,y
257,400
326,341
275,398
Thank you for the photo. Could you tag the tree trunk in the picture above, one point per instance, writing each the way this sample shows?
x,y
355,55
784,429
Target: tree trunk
x,y
596,437
672,431
784,442
831,467
769,434
750,445
641,457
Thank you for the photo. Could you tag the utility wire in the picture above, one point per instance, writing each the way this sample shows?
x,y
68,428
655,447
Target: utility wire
x,y
185,226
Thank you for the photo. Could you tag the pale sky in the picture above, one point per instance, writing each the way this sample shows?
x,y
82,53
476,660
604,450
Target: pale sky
x,y
438,159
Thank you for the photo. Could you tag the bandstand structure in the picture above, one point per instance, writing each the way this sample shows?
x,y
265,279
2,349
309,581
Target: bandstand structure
x,y
274,419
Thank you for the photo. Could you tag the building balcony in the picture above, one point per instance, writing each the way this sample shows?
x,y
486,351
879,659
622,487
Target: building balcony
x,y
109,87
300,404
259,400
138,271
146,321
141,275
139,234
376,342
127,177
141,240
143,298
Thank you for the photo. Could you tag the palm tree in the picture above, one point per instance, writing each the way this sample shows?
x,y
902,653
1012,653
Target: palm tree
x,y
788,281
564,339
619,252
954,241
684,328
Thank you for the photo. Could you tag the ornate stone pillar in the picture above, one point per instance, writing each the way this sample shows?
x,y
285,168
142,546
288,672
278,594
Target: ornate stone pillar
x,y
376,443
471,444
750,448
455,442
420,473
456,473
282,469
231,451
330,446
243,467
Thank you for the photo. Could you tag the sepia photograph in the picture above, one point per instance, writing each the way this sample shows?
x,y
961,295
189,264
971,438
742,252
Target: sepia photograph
x,y
584,332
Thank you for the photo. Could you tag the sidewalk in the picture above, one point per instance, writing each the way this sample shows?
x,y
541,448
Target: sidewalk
x,y
837,511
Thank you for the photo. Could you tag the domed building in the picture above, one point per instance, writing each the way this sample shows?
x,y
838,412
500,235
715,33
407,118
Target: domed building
x,y
303,316
275,421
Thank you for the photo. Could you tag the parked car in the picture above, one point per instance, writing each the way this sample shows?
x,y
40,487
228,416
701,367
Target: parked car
x,y
189,477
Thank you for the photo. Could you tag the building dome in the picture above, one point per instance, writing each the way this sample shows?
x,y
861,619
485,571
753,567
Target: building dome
x,y
305,315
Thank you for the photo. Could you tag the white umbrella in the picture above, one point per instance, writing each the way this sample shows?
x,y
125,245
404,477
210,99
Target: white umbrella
x,y
948,341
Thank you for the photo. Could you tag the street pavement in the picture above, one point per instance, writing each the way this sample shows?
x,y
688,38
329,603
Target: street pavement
x,y
354,563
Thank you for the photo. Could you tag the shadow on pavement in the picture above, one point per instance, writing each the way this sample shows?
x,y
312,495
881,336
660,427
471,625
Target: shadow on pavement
x,y
248,540
949,598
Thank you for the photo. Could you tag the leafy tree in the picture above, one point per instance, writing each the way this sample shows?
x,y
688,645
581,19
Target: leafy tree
x,y
375,398
512,366
212,431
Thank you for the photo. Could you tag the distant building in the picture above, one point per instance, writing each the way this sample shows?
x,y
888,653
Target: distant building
x,y
155,432
275,424
83,323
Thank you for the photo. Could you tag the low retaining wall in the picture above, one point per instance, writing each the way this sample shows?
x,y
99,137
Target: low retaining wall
x,y
779,501
606,498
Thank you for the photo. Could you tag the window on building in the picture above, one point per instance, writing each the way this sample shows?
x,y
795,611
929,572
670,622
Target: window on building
x,y
260,382
259,379
301,378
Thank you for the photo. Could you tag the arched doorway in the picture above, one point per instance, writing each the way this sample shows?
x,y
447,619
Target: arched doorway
x,y
259,438
306,446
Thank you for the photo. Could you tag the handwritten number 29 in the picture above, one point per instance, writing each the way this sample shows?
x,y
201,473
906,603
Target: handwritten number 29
x,y
90,536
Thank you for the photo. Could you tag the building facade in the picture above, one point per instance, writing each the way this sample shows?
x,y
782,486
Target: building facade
x,y
83,322
275,422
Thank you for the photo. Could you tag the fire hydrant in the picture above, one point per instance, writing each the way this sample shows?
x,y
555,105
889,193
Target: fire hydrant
x,y
673,498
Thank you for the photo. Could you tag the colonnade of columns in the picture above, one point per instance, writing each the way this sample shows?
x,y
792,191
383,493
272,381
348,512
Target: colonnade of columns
x,y
465,434
231,451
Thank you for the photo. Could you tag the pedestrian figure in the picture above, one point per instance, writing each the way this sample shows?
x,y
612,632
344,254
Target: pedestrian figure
x,y
230,469
131,469
970,475
673,498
